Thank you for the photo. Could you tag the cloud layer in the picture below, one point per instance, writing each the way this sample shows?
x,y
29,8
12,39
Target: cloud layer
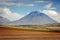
x,y
53,14
51,11
40,1
14,3
5,12
49,6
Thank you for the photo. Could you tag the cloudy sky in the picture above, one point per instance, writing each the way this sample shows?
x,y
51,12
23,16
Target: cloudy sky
x,y
16,9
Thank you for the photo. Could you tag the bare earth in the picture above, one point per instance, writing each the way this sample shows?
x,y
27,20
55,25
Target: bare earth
x,y
14,34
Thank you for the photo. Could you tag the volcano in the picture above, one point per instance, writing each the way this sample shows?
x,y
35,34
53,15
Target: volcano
x,y
34,18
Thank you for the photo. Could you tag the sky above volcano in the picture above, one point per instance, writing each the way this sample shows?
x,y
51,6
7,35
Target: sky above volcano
x,y
16,9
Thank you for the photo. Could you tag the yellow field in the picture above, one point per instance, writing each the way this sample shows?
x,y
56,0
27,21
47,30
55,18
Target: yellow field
x,y
20,34
39,28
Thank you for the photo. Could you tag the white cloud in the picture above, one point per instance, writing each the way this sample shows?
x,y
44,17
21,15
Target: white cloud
x,y
52,8
6,0
53,14
22,4
30,5
49,6
50,12
5,3
40,1
5,12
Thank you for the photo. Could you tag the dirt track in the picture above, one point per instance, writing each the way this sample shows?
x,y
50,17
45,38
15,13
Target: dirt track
x,y
13,34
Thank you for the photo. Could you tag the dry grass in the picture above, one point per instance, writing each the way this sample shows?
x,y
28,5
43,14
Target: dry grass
x,y
14,34
40,28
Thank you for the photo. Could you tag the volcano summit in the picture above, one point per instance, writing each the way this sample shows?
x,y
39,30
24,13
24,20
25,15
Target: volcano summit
x,y
34,18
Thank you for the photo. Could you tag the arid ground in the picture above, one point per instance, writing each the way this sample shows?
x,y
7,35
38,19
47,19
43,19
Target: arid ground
x,y
19,34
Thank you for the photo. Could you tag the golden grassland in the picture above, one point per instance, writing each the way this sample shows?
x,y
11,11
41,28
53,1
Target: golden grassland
x,y
24,33
27,32
34,27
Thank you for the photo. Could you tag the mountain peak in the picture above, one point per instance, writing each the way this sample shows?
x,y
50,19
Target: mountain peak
x,y
36,12
35,18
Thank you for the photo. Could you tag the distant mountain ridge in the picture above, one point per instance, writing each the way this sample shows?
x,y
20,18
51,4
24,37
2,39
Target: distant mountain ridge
x,y
3,20
33,18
